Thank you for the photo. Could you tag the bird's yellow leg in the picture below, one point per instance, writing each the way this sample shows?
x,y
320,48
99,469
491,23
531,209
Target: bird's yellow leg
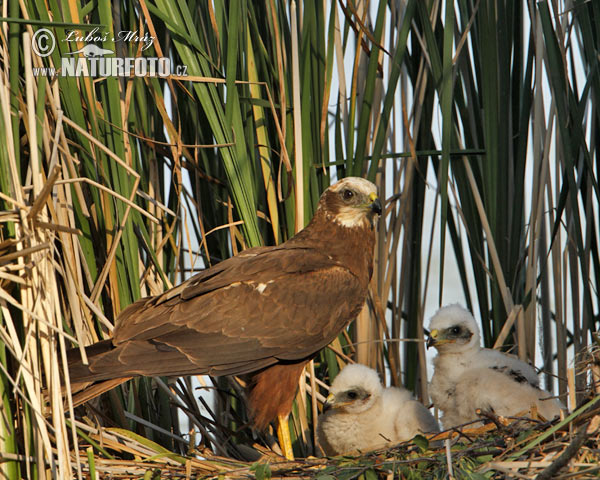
x,y
283,434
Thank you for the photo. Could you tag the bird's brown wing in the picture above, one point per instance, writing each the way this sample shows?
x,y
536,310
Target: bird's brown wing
x,y
246,314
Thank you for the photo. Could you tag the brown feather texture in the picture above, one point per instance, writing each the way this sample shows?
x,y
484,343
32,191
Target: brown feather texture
x,y
266,311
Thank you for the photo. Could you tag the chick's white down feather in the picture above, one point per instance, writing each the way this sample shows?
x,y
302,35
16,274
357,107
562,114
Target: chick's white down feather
x,y
365,416
467,377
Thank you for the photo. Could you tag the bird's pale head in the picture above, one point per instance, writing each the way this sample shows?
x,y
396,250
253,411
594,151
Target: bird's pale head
x,y
453,329
355,389
351,202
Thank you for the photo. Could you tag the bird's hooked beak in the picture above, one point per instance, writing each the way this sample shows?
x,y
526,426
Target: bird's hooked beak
x,y
329,402
375,204
434,339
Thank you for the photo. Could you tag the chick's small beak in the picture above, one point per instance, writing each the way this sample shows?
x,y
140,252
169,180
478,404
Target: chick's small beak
x,y
432,338
329,401
375,205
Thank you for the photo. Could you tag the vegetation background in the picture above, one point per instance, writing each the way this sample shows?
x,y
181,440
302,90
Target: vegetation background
x,y
480,114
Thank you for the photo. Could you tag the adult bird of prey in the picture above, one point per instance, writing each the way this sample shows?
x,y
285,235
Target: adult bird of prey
x,y
468,377
265,312
361,415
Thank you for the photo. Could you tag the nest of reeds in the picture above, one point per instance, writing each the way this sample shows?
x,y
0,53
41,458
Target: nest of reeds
x,y
497,447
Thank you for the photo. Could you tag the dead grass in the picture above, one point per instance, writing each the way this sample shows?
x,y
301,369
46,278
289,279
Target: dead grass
x,y
501,448
494,447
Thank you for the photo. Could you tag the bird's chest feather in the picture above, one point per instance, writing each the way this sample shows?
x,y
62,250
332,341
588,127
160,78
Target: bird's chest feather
x,y
351,433
448,370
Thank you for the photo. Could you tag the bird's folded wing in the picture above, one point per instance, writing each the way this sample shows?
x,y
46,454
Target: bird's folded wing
x,y
421,418
410,417
276,305
510,366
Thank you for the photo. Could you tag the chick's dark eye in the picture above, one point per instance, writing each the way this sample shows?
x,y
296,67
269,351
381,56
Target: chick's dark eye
x,y
347,194
455,330
352,395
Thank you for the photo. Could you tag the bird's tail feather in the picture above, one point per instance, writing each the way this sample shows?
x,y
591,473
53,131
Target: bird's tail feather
x,y
78,372
84,386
